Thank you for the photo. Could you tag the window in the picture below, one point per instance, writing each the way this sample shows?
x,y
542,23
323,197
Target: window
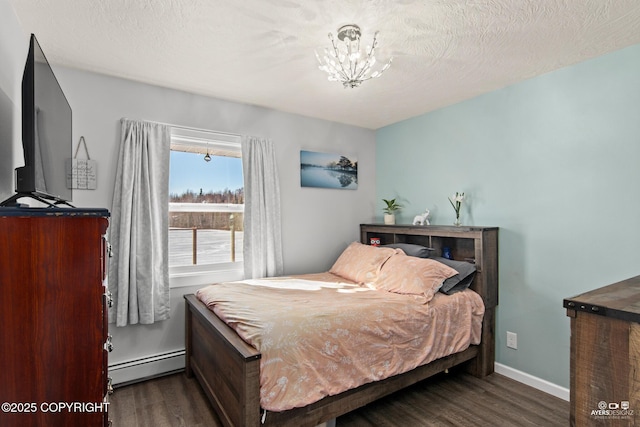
x,y
206,206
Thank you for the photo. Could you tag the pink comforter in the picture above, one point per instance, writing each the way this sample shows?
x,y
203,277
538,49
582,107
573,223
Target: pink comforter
x,y
320,335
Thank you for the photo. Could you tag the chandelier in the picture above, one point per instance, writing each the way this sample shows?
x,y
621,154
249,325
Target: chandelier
x,y
345,63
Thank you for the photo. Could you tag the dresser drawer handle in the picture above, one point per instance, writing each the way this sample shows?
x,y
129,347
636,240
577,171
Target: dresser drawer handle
x,y
109,299
108,345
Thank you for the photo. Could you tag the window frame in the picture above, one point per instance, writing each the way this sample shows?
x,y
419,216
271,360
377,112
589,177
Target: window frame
x,y
216,144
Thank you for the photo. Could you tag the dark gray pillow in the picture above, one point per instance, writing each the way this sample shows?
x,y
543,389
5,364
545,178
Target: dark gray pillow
x,y
462,280
411,249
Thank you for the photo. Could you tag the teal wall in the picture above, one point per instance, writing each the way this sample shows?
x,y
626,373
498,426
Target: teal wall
x,y
553,161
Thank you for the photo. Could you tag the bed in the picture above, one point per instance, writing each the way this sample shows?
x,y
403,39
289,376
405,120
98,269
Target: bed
x,y
229,369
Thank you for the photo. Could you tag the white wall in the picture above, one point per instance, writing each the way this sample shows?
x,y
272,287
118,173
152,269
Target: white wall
x,y
317,223
14,44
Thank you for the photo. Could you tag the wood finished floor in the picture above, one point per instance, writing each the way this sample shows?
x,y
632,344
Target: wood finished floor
x,y
454,399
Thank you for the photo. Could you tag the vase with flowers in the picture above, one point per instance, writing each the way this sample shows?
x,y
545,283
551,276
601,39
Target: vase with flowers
x,y
456,202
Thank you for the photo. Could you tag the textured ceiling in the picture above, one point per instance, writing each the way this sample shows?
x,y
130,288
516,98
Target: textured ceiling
x,y
262,51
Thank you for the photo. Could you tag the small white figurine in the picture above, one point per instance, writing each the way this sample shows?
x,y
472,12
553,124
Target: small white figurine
x,y
422,219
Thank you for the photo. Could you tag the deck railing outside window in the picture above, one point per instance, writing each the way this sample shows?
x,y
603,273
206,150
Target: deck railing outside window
x,y
205,233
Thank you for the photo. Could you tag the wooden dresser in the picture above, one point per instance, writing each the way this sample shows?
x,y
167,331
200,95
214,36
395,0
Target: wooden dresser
x,y
478,245
605,355
53,317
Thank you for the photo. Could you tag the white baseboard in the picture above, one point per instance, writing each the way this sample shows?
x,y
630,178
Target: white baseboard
x,y
147,367
530,380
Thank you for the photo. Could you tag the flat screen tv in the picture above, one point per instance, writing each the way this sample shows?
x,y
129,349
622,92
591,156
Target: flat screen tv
x,y
46,134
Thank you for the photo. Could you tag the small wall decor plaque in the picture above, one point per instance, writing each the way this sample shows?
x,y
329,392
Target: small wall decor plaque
x,y
81,173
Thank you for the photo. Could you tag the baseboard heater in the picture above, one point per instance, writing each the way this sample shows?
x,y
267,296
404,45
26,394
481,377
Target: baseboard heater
x,y
146,368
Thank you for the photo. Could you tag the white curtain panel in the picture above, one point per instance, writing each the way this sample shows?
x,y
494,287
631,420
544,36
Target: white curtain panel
x,y
262,228
138,271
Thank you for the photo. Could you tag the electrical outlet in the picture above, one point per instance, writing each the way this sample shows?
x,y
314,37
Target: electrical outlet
x,y
512,340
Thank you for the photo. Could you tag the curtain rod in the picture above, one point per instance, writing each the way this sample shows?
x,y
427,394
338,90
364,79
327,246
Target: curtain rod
x,y
189,127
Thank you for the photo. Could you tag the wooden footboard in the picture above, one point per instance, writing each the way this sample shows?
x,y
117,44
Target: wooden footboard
x,y
227,368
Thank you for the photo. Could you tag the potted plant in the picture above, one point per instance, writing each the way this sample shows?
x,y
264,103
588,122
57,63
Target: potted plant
x,y
389,211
